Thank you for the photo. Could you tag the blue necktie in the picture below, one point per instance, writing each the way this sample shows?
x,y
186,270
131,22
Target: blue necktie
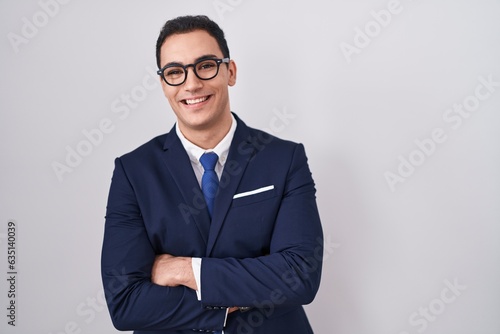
x,y
209,180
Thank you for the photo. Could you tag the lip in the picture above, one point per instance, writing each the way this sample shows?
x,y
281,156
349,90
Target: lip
x,y
196,105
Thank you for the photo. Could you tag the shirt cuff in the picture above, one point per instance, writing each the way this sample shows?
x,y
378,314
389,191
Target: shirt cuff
x,y
225,319
196,265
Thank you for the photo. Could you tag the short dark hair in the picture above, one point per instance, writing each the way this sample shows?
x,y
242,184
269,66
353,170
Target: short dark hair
x,y
188,23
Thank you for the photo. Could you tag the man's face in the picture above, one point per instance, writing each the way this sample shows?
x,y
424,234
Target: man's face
x,y
199,105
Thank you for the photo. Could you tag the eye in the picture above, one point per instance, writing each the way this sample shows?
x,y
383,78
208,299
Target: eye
x,y
174,71
206,65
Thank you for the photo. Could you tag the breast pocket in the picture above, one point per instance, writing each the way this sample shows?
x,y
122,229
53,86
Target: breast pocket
x,y
254,196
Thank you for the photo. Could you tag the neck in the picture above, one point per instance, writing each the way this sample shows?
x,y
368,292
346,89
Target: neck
x,y
208,138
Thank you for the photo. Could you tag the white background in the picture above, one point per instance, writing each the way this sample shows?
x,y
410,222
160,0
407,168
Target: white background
x,y
389,251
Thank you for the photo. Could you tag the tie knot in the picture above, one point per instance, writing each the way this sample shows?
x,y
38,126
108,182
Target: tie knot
x,y
208,160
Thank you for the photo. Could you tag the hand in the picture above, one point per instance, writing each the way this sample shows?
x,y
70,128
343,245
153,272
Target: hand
x,y
169,270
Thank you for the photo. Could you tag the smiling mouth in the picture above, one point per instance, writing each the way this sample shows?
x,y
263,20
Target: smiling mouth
x,y
191,102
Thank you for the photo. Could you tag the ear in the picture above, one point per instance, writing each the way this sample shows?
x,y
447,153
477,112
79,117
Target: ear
x,y
232,73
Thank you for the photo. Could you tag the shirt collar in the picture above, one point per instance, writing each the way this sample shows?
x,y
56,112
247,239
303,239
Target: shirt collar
x,y
222,149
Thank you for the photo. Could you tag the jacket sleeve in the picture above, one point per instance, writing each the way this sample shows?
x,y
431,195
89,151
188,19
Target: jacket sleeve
x,y
134,302
290,274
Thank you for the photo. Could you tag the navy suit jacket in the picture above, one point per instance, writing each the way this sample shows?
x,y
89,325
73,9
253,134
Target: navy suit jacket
x,y
263,249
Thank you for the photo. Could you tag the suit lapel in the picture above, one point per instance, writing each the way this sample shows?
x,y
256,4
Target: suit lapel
x,y
240,153
177,161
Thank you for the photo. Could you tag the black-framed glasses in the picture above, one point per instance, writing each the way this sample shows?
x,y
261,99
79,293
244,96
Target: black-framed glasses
x,y
204,69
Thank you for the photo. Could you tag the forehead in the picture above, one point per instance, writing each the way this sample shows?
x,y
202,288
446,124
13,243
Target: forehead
x,y
187,47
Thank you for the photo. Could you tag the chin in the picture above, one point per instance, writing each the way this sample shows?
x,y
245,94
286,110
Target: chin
x,y
198,121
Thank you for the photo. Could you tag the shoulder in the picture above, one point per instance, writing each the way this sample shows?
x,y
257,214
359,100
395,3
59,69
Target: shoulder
x,y
264,142
146,151
266,150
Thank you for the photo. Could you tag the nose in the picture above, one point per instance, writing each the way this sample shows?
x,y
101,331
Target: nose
x,y
192,82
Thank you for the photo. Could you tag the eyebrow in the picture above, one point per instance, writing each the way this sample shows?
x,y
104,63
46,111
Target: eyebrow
x,y
207,56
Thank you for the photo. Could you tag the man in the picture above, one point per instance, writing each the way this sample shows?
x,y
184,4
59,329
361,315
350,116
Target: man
x,y
212,227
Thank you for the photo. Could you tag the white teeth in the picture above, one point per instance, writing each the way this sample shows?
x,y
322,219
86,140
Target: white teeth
x,y
201,99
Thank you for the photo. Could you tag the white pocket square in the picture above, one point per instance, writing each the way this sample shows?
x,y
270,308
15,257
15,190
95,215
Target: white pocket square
x,y
253,192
